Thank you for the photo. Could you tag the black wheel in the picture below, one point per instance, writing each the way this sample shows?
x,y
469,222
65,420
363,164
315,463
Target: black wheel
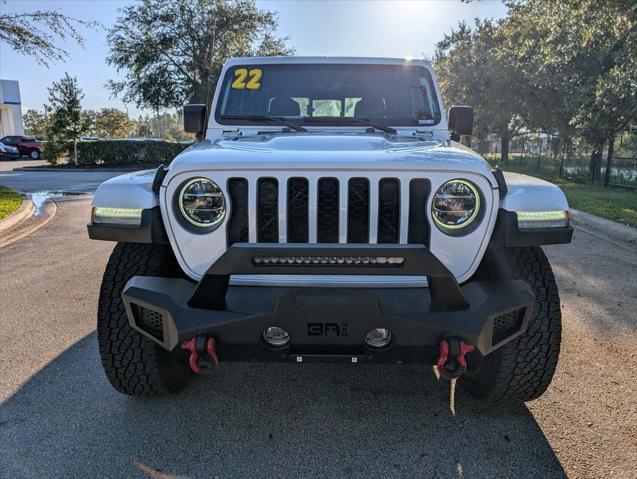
x,y
35,154
522,369
133,363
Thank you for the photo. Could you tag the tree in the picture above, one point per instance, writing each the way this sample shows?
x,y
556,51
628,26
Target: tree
x,y
33,33
578,61
172,52
167,126
89,117
472,72
543,88
112,123
36,122
67,122
612,103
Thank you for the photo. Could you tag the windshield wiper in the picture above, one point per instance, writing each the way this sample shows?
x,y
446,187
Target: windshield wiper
x,y
339,120
265,119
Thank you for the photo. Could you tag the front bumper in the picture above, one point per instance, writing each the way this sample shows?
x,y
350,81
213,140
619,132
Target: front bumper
x,y
328,324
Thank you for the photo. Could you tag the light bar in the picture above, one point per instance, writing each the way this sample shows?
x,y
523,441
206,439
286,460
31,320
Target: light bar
x,y
122,217
388,261
529,220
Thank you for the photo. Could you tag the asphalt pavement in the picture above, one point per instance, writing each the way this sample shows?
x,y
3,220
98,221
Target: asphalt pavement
x,y
50,181
59,417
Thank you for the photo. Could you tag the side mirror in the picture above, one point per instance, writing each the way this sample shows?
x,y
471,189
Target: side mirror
x,y
460,121
195,119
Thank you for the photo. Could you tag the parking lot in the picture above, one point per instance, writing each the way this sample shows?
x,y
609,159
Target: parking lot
x,y
59,417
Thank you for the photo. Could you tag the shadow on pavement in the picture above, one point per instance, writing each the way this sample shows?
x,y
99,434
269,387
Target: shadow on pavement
x,y
274,420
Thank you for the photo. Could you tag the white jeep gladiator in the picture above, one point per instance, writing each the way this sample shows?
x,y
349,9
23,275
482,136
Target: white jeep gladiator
x,y
328,213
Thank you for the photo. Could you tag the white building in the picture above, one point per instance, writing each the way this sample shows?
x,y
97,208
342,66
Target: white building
x,y
10,108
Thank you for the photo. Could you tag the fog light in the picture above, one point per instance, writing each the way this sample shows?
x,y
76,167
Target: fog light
x,y
276,336
378,338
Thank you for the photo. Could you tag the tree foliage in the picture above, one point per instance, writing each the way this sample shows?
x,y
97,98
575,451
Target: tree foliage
x,y
67,122
172,52
168,126
34,33
473,71
36,122
564,68
112,123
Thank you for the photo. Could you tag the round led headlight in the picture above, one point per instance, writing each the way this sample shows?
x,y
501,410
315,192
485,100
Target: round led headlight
x,y
201,203
456,206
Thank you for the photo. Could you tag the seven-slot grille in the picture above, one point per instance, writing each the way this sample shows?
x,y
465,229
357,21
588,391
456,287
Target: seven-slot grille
x,y
328,210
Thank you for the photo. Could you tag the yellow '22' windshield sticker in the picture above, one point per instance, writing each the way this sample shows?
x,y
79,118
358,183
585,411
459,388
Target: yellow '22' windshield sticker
x,y
253,78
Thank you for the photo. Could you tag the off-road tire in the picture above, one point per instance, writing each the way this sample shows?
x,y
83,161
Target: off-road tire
x,y
522,369
133,363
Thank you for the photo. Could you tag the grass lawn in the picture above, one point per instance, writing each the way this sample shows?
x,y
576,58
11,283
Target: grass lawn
x,y
613,203
9,201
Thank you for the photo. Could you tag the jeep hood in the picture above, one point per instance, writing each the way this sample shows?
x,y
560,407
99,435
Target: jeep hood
x,y
330,152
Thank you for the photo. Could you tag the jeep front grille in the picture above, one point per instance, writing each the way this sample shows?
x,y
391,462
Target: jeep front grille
x,y
351,210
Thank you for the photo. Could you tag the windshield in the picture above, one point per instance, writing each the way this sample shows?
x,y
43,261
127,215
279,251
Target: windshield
x,y
330,93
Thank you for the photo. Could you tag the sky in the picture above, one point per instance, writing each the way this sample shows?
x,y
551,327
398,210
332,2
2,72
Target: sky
x,y
385,28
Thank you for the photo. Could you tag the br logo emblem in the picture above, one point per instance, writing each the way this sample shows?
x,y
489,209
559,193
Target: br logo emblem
x,y
327,329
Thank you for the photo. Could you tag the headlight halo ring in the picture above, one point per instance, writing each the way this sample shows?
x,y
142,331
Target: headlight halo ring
x,y
186,218
470,223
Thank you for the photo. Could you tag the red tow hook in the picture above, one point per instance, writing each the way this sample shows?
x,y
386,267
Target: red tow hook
x,y
201,346
452,362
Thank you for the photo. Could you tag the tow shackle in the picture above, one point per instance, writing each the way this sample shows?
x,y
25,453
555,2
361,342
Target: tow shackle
x,y
452,362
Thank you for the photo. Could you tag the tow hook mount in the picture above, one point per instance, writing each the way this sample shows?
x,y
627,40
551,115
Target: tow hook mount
x,y
203,352
452,362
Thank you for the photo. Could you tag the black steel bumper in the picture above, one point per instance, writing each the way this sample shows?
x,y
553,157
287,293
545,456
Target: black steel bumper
x,y
328,323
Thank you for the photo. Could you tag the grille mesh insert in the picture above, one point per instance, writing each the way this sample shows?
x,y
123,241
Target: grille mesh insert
x,y
358,211
268,210
238,222
388,210
297,210
327,220
418,232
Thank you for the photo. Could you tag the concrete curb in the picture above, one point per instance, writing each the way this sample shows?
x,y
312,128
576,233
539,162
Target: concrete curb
x,y
610,228
24,212
30,225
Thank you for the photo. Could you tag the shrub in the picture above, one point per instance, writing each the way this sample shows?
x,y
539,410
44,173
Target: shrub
x,y
114,152
54,152
127,152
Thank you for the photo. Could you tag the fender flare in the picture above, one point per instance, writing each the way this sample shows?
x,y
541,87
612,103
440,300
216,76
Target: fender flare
x,y
131,190
527,193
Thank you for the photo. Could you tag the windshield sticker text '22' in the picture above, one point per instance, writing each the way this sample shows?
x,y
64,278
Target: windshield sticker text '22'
x,y
253,76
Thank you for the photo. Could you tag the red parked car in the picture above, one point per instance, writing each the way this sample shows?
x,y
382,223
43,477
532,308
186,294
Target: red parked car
x,y
27,145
